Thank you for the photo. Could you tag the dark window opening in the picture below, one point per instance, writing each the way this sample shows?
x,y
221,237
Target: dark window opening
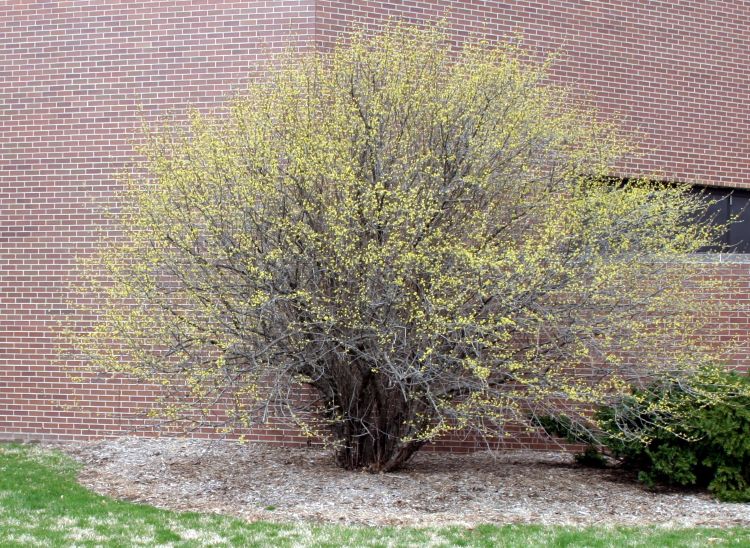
x,y
731,209
731,204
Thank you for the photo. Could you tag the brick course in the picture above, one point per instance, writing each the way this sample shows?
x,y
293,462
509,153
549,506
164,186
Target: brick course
x,y
78,76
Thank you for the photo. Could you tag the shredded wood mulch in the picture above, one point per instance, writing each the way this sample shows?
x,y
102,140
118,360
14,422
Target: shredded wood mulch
x,y
262,482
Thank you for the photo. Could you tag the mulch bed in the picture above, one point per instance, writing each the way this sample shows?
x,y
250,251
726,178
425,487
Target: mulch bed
x,y
262,482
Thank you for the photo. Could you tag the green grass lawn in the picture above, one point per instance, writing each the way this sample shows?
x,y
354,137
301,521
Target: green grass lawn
x,y
42,505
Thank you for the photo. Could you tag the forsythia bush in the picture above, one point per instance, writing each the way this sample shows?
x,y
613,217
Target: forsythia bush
x,y
424,237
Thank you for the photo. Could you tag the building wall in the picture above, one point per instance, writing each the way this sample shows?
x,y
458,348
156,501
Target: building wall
x,y
676,72
78,76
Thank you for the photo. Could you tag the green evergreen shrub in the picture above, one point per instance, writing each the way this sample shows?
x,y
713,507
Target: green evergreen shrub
x,y
709,446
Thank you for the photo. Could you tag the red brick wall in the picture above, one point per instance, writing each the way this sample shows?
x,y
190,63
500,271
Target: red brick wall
x,y
74,74
677,71
73,77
